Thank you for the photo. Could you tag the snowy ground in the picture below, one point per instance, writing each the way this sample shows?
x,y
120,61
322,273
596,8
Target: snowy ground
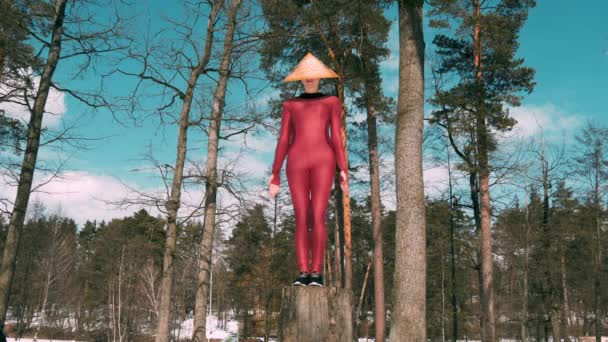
x,y
213,331
187,327
10,339
184,332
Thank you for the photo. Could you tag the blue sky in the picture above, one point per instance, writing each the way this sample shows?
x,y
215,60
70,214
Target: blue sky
x,y
566,44
568,47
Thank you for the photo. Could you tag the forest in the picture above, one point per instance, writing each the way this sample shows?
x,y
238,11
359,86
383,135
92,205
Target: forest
x,y
467,218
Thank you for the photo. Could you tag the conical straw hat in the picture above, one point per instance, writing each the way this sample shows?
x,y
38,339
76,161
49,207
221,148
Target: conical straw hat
x,y
310,67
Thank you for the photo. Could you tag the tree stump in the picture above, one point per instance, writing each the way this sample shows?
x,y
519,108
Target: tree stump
x,y
313,313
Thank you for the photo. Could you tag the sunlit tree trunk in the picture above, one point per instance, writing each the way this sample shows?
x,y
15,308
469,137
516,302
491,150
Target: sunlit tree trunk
x,y
408,313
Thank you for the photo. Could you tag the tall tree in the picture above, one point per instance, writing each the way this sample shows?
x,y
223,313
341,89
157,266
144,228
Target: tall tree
x,y
29,160
373,35
82,38
123,248
514,231
592,166
173,203
248,257
564,221
408,313
86,251
489,76
211,180
551,160
58,263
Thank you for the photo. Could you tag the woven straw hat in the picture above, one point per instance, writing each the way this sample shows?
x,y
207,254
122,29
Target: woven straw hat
x,y
310,67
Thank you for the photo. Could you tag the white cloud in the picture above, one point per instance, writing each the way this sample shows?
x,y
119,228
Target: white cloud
x,y
551,119
55,106
80,195
435,180
392,62
247,164
264,100
85,196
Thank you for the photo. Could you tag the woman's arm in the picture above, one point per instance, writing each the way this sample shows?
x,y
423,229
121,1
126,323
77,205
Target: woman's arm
x,y
336,134
282,144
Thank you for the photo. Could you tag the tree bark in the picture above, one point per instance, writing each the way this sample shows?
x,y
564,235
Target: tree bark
x,y
524,305
369,266
548,287
408,314
342,199
329,272
29,162
311,314
565,304
345,206
598,254
211,184
452,253
337,249
374,175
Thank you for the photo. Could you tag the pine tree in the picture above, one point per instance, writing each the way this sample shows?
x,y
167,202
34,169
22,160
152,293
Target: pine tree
x,y
248,257
481,56
408,313
592,167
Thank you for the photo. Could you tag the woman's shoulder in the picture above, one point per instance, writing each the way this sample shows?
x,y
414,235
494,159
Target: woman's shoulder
x,y
317,96
334,100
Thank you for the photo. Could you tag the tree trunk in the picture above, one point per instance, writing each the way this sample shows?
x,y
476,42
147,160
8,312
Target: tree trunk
x,y
565,304
369,266
342,199
524,301
555,323
211,184
311,314
452,254
598,262
408,313
345,206
270,281
548,284
329,272
487,299
374,175
337,246
29,162
474,195
172,206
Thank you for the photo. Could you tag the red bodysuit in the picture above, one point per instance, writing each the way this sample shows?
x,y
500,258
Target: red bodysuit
x,y
311,166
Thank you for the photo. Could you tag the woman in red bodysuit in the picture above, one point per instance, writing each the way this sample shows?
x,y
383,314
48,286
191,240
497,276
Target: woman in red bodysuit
x,y
311,166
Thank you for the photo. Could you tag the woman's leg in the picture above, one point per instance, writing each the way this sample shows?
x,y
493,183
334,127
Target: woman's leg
x,y
299,187
322,179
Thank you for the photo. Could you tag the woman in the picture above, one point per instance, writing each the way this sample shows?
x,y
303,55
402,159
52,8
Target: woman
x,y
311,165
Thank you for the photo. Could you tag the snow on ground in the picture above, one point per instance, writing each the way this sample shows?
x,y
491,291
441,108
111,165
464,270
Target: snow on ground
x,y
10,339
213,331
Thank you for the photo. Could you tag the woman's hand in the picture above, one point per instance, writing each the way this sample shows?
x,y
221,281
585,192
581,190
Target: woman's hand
x,y
343,181
273,188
